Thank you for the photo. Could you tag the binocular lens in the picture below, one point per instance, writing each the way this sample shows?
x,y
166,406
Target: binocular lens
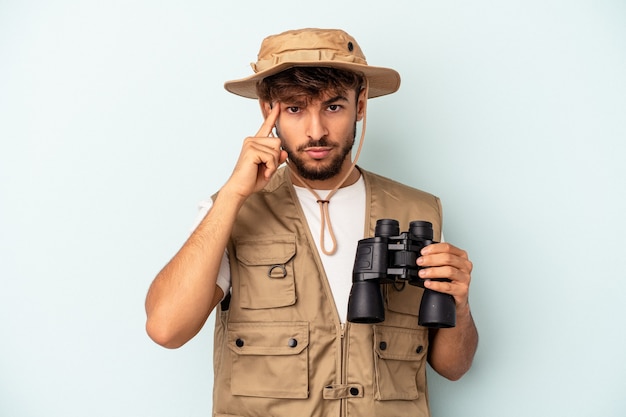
x,y
421,229
387,228
365,304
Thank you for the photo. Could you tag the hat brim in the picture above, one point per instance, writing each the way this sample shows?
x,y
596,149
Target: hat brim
x,y
382,81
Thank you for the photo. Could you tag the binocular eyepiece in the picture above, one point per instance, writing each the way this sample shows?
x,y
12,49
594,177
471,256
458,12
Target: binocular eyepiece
x,y
390,257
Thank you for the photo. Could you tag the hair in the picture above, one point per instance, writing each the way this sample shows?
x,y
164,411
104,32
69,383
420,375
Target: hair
x,y
308,83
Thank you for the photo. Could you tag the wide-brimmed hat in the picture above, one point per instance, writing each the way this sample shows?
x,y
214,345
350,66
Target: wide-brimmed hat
x,y
314,48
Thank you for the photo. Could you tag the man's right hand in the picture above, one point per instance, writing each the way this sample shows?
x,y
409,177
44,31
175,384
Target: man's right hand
x,y
260,157
185,291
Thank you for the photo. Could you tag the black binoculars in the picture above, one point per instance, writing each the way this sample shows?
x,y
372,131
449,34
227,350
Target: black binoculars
x,y
390,257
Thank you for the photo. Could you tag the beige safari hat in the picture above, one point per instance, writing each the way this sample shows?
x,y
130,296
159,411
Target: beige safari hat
x,y
314,48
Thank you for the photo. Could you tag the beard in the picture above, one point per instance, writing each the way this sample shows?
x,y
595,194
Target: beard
x,y
321,171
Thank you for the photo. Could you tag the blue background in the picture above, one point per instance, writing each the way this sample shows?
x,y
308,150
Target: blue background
x,y
114,124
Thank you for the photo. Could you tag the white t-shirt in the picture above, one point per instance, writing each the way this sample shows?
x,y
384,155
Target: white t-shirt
x,y
347,214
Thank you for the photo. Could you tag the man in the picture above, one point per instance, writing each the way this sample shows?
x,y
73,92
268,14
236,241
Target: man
x,y
267,255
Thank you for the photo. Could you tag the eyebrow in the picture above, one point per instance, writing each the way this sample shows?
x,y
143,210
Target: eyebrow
x,y
335,99
303,103
294,102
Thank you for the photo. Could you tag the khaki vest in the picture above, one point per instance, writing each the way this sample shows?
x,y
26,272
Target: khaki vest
x,y
280,348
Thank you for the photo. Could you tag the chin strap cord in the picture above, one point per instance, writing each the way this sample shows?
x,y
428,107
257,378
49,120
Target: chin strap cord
x,y
324,202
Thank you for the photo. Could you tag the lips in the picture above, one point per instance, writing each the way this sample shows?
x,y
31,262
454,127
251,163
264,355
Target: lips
x,y
318,153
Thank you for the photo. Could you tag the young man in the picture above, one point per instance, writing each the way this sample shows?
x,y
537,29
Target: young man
x,y
268,256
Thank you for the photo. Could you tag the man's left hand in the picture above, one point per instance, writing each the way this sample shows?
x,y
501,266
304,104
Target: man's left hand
x,y
443,260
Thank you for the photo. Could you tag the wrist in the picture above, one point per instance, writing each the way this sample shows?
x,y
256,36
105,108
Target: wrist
x,y
230,195
463,310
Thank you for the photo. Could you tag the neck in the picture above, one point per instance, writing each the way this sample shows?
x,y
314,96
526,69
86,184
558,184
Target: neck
x,y
329,184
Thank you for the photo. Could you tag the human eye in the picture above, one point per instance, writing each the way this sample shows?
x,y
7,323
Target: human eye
x,y
334,107
292,109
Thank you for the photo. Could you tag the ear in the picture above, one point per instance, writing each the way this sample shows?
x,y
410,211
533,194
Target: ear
x,y
360,105
266,108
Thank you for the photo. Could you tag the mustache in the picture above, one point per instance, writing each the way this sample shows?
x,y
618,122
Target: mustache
x,y
314,144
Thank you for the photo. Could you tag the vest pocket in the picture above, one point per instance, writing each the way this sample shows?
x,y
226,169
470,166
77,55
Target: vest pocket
x,y
269,359
399,357
266,271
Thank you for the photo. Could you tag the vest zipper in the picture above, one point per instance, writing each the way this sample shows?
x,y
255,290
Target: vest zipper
x,y
343,328
344,366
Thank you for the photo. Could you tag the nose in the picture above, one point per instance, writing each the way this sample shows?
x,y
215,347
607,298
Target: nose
x,y
316,129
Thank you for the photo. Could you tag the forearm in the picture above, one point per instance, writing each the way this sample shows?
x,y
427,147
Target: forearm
x,y
184,292
452,350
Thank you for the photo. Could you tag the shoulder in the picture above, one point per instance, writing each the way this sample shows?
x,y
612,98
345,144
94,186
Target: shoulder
x,y
395,189
388,198
280,179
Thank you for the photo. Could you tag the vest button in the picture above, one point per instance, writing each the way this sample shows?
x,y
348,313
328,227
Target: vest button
x,y
419,349
239,343
383,345
293,343
354,391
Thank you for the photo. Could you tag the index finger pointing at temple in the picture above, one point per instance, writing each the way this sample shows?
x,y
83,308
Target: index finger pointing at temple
x,y
270,121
